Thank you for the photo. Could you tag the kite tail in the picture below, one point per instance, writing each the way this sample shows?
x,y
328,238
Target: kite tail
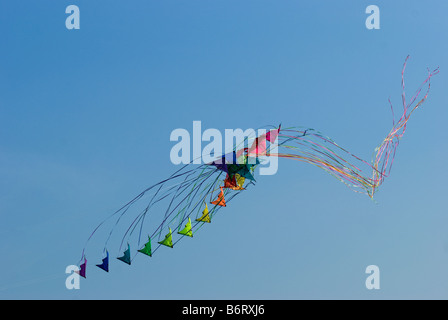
x,y
310,146
384,154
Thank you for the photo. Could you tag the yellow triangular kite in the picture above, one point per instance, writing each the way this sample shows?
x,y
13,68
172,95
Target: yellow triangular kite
x,y
205,216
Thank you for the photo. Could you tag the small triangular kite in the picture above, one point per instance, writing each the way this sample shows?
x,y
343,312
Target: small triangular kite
x,y
240,180
105,264
242,169
271,136
187,231
126,258
220,201
168,241
258,148
147,249
231,183
82,269
205,216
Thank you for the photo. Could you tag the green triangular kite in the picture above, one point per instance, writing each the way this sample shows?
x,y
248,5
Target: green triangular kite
x,y
242,169
168,241
245,172
187,231
147,249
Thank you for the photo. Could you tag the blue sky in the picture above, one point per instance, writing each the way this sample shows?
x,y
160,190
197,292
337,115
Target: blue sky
x,y
86,116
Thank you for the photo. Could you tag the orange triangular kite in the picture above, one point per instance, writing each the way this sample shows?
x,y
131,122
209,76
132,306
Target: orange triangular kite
x,y
220,201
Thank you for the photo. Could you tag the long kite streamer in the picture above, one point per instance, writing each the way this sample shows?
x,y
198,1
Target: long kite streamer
x,y
177,207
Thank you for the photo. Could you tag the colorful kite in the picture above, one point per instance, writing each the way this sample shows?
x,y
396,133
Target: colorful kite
x,y
179,206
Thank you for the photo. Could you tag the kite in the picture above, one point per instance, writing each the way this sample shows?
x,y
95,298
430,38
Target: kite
x,y
179,206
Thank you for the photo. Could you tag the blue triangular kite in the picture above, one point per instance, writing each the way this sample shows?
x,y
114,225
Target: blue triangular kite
x,y
126,258
105,264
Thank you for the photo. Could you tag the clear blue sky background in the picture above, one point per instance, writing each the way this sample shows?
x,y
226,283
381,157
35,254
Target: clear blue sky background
x,y
85,119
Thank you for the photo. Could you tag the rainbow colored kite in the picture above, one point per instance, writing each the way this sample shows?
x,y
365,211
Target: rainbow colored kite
x,y
179,206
